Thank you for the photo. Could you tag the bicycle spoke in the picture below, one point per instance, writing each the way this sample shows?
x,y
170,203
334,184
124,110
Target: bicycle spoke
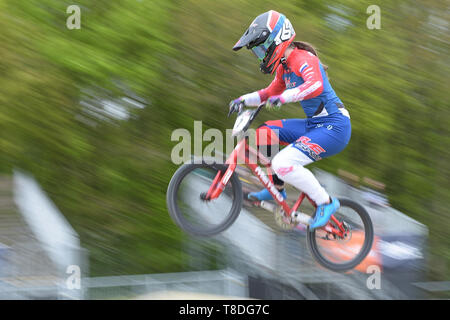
x,y
200,213
342,248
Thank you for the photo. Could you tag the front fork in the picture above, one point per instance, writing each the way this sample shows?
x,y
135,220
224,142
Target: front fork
x,y
219,183
221,179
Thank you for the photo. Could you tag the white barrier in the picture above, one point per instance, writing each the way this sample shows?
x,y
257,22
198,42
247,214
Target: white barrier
x,y
57,238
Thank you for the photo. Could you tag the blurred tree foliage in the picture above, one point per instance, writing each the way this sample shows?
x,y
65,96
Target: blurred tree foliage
x,y
110,178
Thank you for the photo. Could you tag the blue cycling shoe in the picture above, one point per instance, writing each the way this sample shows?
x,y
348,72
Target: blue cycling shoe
x,y
324,213
264,195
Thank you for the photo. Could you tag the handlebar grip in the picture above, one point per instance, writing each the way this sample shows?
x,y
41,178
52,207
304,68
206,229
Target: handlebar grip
x,y
257,110
233,109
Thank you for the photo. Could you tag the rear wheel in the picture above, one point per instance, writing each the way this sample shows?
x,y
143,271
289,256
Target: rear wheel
x,y
187,205
341,254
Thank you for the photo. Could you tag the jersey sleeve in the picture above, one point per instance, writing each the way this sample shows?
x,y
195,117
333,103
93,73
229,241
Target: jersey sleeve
x,y
307,66
276,87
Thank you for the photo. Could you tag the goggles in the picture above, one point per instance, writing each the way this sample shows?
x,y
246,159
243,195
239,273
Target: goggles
x,y
260,51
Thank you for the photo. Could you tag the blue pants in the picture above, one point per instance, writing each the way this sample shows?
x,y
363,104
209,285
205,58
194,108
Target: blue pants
x,y
317,138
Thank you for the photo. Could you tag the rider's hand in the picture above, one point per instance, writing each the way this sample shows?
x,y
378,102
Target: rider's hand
x,y
275,102
236,106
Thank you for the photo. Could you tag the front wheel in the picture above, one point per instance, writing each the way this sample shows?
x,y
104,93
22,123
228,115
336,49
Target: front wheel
x,y
341,254
187,205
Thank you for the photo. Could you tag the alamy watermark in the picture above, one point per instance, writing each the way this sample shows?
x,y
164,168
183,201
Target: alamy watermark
x,y
374,20
73,281
74,20
190,148
374,280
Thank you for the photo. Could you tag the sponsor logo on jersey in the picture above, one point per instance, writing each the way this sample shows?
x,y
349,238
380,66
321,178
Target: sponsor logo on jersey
x,y
289,84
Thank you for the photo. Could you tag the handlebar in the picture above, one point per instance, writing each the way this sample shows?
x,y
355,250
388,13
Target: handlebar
x,y
245,118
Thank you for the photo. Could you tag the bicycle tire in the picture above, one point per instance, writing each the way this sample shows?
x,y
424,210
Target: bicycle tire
x,y
367,246
178,217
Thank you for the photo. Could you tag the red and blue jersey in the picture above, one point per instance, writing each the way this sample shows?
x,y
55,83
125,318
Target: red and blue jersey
x,y
327,129
304,79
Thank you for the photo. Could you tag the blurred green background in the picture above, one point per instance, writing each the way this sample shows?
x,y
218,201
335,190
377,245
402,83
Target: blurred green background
x,y
109,177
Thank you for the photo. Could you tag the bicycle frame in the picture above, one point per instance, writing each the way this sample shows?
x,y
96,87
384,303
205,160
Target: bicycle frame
x,y
242,151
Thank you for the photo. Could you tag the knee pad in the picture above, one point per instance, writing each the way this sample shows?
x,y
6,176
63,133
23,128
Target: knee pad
x,y
289,164
288,159
282,165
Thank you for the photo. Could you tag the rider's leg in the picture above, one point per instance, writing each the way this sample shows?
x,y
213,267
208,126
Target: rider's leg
x,y
323,138
265,195
289,166
268,143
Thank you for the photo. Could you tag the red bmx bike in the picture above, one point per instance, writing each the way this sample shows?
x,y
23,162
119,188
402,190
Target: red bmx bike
x,y
206,198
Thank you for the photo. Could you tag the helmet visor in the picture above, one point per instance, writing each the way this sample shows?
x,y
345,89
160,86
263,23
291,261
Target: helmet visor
x,y
260,51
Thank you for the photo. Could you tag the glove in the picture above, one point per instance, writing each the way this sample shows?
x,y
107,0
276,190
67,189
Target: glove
x,y
236,106
275,102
